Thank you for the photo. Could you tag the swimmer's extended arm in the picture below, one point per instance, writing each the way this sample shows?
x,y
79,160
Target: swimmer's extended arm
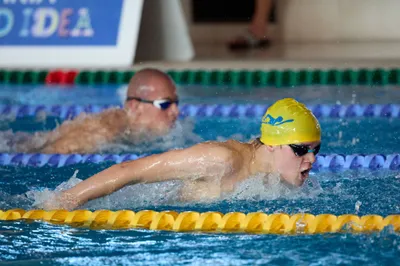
x,y
199,161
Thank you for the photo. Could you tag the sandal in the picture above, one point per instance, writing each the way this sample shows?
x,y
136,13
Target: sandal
x,y
248,41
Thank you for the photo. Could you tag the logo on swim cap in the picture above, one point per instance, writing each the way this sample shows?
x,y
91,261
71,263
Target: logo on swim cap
x,y
289,122
268,119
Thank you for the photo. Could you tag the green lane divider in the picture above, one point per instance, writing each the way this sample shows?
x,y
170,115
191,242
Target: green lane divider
x,y
22,77
217,77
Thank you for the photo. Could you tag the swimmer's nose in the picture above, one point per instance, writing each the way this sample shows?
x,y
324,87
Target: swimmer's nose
x,y
174,110
310,157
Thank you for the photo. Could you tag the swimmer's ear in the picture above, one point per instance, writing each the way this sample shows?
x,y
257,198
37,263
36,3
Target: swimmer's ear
x,y
269,147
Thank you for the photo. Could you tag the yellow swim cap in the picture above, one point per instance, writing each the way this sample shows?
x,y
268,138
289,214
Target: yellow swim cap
x,y
289,122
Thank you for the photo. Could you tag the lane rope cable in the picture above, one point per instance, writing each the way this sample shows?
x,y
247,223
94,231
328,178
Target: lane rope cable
x,y
255,222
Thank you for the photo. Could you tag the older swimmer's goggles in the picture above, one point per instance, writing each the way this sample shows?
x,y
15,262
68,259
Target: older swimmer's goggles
x,y
162,104
300,150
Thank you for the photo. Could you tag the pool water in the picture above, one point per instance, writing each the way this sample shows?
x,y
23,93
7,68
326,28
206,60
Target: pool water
x,y
357,192
360,193
106,94
340,136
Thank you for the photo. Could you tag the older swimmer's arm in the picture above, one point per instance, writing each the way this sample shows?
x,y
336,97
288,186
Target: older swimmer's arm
x,y
199,161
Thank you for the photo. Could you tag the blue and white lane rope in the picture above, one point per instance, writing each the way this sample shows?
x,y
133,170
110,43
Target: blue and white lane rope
x,y
212,110
329,162
59,160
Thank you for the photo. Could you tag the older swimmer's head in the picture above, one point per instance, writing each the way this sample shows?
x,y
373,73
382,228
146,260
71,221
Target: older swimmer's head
x,y
152,97
291,135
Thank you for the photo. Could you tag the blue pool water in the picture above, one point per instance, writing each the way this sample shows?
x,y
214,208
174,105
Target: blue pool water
x,y
358,192
22,94
34,243
341,136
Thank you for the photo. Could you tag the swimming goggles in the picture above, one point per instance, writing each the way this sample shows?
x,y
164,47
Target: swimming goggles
x,y
162,104
300,150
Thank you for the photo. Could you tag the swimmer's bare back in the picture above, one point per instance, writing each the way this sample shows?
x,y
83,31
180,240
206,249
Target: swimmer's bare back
x,y
86,133
206,169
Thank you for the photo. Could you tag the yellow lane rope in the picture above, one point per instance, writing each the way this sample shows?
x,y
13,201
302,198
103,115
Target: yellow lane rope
x,y
255,222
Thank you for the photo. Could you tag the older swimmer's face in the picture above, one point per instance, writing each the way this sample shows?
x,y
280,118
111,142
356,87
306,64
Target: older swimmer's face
x,y
158,106
294,162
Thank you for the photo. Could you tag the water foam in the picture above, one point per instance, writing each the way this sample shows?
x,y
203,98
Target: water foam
x,y
180,136
270,187
257,188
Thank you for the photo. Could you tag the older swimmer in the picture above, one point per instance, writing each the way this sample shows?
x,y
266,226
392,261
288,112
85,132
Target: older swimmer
x,y
150,110
290,139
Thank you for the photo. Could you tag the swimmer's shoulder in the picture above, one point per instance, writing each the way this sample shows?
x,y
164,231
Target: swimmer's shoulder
x,y
116,118
106,116
230,151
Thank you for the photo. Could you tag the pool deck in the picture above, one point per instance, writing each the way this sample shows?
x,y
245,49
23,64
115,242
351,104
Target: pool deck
x,y
289,56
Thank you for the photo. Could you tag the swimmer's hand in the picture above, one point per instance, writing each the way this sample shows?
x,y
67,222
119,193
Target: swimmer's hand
x,y
56,201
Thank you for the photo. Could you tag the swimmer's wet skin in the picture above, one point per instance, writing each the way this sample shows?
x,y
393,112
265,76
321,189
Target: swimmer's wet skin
x,y
290,139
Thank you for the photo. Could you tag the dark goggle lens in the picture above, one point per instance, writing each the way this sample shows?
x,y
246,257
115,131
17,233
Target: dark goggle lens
x,y
301,150
165,105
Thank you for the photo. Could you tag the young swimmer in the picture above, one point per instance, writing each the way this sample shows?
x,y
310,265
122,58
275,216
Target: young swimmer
x,y
290,139
150,111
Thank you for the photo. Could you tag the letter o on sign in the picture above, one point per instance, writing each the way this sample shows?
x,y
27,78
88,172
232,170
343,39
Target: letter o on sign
x,y
7,16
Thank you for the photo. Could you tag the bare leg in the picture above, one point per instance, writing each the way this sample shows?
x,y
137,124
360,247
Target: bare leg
x,y
259,23
257,29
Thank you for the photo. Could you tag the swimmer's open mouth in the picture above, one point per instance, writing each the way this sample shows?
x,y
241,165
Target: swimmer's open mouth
x,y
304,174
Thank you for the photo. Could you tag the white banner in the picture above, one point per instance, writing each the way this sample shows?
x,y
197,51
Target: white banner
x,y
69,33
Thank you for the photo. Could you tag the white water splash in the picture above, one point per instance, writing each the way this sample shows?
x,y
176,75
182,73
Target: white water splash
x,y
270,187
260,187
180,136
40,196
125,198
357,206
12,142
